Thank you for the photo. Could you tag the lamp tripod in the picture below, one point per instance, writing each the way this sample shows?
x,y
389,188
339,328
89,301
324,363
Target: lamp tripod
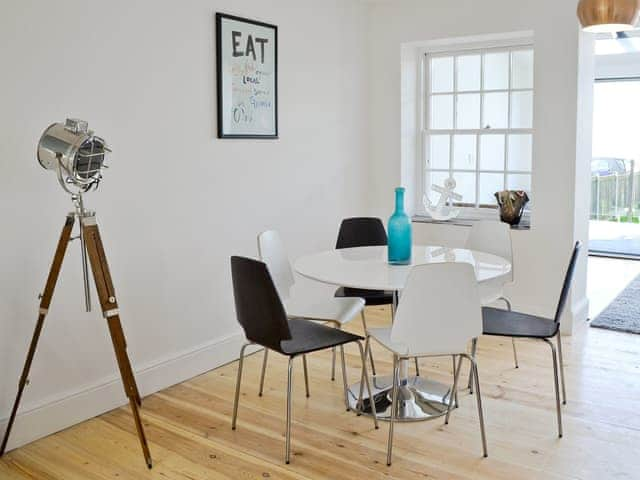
x,y
93,249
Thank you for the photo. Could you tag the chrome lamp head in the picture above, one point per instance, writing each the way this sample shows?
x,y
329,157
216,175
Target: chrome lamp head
x,y
74,153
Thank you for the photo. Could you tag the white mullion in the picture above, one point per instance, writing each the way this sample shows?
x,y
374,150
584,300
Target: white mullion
x,y
425,160
507,136
478,131
455,112
478,137
427,99
501,90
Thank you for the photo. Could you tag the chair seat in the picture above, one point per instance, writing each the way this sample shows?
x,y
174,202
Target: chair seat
x,y
383,337
371,297
308,336
514,324
323,308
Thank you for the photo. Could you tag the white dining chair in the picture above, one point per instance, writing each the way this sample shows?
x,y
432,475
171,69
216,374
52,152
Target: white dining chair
x,y
493,237
304,300
438,314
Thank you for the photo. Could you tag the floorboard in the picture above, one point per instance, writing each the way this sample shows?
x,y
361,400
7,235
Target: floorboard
x,y
190,435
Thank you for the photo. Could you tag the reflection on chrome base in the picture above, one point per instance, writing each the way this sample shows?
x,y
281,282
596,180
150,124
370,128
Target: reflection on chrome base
x,y
420,399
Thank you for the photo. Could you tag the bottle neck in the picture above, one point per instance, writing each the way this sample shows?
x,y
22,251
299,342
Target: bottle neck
x,y
399,200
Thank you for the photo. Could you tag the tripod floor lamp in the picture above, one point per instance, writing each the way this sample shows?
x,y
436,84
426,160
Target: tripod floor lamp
x,y
77,156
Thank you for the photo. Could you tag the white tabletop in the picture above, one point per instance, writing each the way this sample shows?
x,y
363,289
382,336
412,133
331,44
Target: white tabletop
x,y
367,267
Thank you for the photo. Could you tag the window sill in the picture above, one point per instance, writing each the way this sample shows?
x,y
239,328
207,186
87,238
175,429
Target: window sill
x,y
525,223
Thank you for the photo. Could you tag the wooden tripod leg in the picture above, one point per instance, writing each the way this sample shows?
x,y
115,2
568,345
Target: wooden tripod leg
x,y
109,304
45,302
118,334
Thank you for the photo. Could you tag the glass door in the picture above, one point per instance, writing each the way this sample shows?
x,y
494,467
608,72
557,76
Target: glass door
x,y
614,227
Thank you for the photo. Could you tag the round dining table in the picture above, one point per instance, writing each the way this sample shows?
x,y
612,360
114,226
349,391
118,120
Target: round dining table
x,y
367,268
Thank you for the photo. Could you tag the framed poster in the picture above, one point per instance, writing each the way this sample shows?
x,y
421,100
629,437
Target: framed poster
x,y
247,71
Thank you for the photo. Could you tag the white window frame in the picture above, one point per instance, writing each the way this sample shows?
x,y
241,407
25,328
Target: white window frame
x,y
453,48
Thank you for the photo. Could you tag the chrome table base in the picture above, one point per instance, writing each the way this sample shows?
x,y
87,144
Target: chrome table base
x,y
418,399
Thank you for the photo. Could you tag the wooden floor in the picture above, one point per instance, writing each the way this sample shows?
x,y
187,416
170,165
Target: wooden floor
x,y
188,425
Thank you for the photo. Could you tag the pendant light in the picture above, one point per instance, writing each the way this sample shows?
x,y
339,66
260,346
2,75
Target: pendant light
x,y
599,16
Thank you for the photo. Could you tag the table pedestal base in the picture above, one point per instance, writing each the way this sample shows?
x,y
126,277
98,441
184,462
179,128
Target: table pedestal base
x,y
418,399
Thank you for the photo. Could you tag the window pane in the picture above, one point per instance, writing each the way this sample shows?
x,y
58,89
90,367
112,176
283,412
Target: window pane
x,y
490,183
496,110
519,181
468,111
439,146
434,178
522,69
520,152
466,186
442,112
468,74
442,74
492,152
464,152
496,71
522,110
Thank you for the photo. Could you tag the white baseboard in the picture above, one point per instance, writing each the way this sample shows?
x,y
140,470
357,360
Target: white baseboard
x,y
54,414
579,311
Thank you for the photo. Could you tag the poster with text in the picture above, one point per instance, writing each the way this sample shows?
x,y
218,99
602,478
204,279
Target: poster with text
x,y
247,70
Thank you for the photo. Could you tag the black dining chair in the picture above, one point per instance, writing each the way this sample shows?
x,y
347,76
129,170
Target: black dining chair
x,y
262,316
364,232
505,323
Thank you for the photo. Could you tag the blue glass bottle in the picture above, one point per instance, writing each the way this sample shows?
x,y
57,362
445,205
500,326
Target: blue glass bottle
x,y
399,231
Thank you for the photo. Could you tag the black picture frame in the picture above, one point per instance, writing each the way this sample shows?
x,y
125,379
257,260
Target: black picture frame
x,y
219,78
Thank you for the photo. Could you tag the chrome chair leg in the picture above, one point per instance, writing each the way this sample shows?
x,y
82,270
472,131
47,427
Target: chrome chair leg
x,y
333,364
264,370
289,395
453,396
561,361
453,372
394,407
557,386
344,379
306,375
364,325
236,399
513,340
474,349
360,405
367,380
474,368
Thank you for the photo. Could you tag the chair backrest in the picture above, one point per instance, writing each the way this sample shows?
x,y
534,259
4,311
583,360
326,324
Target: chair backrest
x,y
361,232
272,252
568,278
439,311
491,237
258,305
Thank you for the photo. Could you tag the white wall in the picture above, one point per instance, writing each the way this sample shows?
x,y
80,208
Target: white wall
x,y
542,253
177,202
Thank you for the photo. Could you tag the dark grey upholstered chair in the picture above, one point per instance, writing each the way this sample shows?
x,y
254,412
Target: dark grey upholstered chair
x,y
504,323
262,316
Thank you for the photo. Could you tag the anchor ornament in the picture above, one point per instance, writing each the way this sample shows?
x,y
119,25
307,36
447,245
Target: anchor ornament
x,y
443,209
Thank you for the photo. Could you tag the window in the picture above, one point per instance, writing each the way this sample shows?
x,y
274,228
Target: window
x,y
478,123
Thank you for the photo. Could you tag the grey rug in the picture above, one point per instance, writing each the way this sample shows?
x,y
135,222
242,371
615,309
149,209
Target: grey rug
x,y
623,314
